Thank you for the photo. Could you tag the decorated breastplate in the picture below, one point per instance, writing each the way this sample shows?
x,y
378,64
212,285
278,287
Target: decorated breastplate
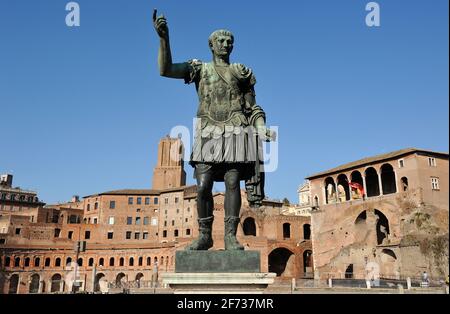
x,y
219,94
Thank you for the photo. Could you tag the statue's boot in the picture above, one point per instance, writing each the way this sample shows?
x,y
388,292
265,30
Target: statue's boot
x,y
231,243
204,240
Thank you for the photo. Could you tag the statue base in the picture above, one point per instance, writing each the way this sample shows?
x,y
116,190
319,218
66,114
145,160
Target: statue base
x,y
218,272
217,261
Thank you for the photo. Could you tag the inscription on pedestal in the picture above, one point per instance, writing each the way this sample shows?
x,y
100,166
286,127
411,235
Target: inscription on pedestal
x,y
217,262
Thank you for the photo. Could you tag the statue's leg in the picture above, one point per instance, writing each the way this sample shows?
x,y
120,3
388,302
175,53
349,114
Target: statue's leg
x,y
205,206
232,209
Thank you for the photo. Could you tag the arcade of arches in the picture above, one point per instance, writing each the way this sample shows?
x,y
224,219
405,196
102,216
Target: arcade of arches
x,y
370,183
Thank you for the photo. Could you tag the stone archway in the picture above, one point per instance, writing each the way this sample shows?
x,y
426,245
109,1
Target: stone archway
x,y
282,262
99,278
120,280
34,283
56,283
13,284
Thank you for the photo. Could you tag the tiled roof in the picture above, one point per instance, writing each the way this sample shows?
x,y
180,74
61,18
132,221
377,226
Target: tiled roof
x,y
374,159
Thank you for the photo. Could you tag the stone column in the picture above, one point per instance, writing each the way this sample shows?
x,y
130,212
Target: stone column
x,y
364,186
380,184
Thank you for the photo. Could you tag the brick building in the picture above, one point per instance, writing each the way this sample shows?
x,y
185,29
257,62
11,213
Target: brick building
x,y
386,214
118,237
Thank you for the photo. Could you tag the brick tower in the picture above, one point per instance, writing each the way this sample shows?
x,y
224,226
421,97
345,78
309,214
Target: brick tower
x,y
169,171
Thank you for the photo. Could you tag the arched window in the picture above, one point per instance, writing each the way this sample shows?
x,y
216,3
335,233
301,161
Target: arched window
x,y
91,262
131,262
306,231
34,283
249,227
68,261
47,262
111,261
286,230
80,262
140,261
373,188
37,262
343,188
56,283
388,179
121,261
17,262
58,262
7,261
149,261
357,185
330,190
101,262
404,184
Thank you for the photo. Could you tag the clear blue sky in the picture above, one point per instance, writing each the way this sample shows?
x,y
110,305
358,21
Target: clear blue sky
x,y
82,109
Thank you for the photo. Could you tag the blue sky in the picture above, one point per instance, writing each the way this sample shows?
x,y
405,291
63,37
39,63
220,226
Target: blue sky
x,y
82,109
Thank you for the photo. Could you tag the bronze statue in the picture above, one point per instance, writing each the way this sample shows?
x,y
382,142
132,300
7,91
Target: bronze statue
x,y
228,133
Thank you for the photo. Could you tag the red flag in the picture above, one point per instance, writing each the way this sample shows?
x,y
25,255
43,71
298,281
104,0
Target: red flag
x,y
357,186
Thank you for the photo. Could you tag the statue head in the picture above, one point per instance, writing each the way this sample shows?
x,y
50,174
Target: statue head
x,y
221,42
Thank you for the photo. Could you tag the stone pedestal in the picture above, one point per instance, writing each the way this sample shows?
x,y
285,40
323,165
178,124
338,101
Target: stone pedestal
x,y
218,272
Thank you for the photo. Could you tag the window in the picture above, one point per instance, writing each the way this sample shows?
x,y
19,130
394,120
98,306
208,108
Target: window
x,y
18,231
111,220
173,222
138,210
186,220
96,205
129,220
101,262
154,221
57,233
87,235
37,262
110,235
128,235
88,207
188,209
57,262
166,201
431,162
139,200
91,262
138,220
70,235
175,233
121,261
188,231
178,210
165,212
155,201
147,201
165,223
95,221
401,163
145,235
435,183
176,200
112,204
27,262
146,220
137,235
164,233
130,201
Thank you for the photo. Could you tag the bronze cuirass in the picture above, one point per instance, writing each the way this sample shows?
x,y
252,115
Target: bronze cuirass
x,y
219,94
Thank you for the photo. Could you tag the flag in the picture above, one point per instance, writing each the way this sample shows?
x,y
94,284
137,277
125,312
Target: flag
x,y
357,186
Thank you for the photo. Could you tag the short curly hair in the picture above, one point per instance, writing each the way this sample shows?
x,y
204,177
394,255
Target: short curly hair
x,y
220,32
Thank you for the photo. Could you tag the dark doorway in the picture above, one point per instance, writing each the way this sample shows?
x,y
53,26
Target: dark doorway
x,y
278,259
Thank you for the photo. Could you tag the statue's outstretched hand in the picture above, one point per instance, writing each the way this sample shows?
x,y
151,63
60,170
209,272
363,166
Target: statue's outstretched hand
x,y
160,24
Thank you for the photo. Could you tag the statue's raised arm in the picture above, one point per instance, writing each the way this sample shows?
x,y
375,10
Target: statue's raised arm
x,y
166,67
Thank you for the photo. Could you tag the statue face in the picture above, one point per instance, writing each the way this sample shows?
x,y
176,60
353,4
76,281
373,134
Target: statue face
x,y
222,45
